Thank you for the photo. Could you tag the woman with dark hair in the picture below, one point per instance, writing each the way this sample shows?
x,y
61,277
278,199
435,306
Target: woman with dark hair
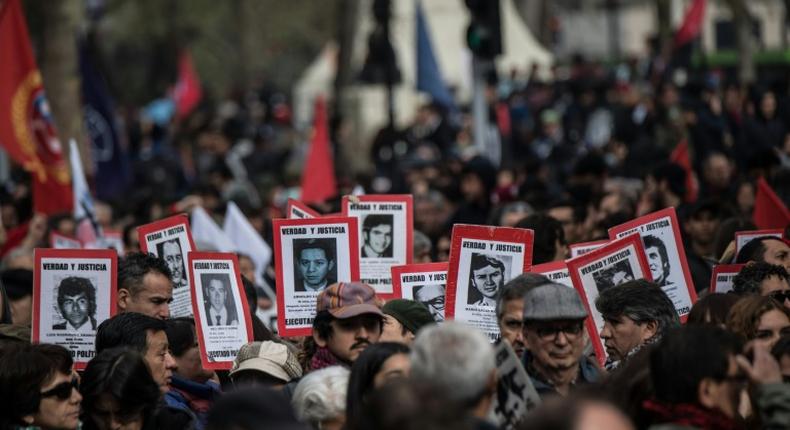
x,y
760,319
712,309
120,393
376,365
38,388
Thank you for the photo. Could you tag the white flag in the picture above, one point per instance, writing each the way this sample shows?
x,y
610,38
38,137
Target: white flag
x,y
247,240
206,231
83,202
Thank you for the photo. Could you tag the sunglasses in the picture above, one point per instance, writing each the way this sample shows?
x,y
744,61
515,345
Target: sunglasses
x,y
63,390
780,296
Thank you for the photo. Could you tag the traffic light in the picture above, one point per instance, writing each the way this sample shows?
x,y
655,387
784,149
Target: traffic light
x,y
484,33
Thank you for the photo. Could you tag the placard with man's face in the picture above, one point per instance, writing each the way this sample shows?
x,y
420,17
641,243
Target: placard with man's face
x,y
73,292
582,248
723,274
425,283
660,233
310,255
222,315
556,271
385,236
482,260
171,240
744,237
615,263
299,210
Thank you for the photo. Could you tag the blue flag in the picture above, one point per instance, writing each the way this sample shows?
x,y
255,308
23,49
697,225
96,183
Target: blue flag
x,y
112,166
429,78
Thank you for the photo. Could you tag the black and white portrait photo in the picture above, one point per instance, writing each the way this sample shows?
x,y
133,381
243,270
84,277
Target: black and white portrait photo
x,y
314,264
657,259
613,275
376,236
433,297
487,275
76,301
218,300
170,252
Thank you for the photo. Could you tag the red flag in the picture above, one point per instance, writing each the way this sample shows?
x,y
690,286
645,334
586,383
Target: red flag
x,y
187,93
692,23
318,177
680,156
769,210
27,131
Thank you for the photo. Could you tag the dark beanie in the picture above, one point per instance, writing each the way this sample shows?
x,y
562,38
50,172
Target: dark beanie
x,y
18,283
413,315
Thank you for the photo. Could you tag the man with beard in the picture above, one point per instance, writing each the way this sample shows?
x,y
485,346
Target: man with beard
x,y
487,276
348,319
77,305
170,252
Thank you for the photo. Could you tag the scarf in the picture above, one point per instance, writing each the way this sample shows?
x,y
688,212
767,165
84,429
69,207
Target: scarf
x,y
323,358
612,364
688,414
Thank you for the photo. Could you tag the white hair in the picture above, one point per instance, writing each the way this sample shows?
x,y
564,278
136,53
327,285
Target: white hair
x,y
321,395
455,358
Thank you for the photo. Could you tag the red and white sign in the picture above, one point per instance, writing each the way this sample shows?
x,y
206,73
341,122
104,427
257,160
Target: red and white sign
x,y
723,274
660,233
425,283
582,248
310,255
617,262
74,290
171,240
556,271
744,237
61,241
222,314
386,236
299,210
482,260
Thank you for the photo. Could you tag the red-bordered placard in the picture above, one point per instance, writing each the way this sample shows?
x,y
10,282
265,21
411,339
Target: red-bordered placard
x,y
74,290
582,248
744,237
61,241
171,240
616,262
304,268
482,260
723,274
222,314
386,236
425,283
663,245
299,210
556,271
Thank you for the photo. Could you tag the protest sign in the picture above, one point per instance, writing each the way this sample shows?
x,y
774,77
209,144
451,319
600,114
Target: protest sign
x,y
311,254
109,239
482,260
170,240
386,231
74,290
723,274
299,210
660,233
222,315
425,283
744,237
618,261
582,248
61,241
515,393
556,271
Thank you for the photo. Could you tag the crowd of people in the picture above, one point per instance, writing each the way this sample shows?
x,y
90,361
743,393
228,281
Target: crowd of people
x,y
590,149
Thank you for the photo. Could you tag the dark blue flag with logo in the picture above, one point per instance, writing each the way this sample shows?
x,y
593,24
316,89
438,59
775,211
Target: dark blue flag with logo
x,y
109,156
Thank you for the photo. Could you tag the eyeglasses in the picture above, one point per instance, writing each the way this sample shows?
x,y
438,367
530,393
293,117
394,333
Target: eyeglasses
x,y
550,332
63,390
780,296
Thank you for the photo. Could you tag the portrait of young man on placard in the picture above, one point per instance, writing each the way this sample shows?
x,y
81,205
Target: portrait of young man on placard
x,y
612,276
487,275
658,259
218,300
314,264
76,299
377,236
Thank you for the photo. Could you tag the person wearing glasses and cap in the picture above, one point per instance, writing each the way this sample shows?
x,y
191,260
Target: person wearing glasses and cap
x,y
764,279
554,336
39,388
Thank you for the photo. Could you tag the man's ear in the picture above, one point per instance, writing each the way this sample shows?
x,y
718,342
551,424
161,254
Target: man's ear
x,y
321,342
651,328
706,393
123,299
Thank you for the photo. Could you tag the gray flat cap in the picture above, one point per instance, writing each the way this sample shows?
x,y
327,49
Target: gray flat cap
x,y
553,302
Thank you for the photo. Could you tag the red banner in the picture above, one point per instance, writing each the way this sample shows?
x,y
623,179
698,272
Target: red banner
x,y
27,130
